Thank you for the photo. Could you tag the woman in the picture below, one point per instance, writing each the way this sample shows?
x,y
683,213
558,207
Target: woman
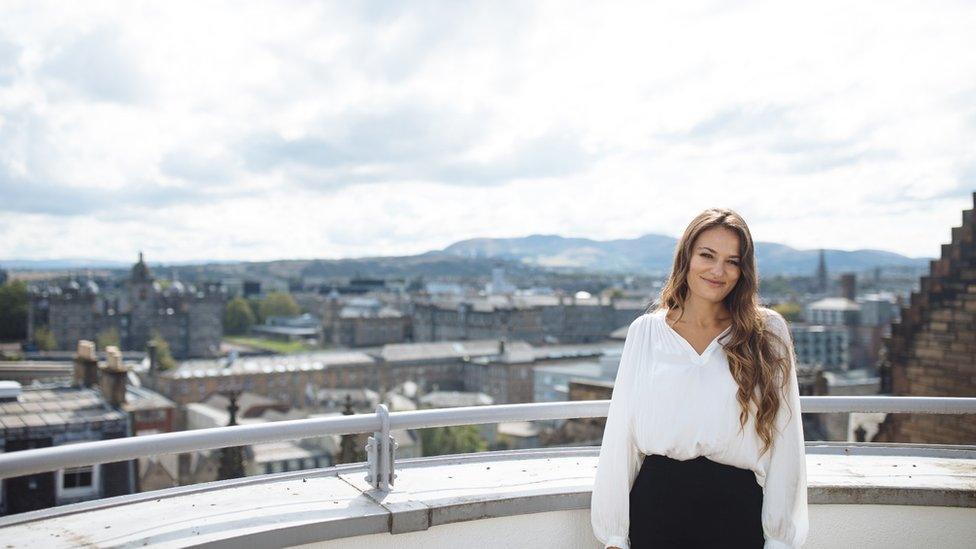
x,y
704,445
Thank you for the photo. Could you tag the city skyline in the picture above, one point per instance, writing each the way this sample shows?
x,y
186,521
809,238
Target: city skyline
x,y
231,131
77,262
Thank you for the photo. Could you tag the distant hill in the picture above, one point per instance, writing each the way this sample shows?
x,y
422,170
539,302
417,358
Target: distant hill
x,y
653,253
649,254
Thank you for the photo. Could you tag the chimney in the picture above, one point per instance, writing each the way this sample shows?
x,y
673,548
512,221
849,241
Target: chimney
x,y
86,365
153,358
115,378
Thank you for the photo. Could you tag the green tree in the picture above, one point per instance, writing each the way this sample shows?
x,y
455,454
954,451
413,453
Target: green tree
x,y
255,305
790,311
459,439
164,358
44,339
238,316
13,311
107,337
278,304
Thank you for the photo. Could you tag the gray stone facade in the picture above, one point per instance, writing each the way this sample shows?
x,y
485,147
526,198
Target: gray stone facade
x,y
535,319
361,322
55,416
189,318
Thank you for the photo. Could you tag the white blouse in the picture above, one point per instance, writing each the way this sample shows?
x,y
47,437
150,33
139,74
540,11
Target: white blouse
x,y
669,400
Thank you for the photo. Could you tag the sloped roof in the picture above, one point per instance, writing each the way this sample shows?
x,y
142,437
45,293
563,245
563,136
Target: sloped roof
x,y
454,399
446,350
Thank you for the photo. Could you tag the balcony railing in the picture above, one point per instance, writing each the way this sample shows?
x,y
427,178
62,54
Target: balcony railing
x,y
861,494
380,450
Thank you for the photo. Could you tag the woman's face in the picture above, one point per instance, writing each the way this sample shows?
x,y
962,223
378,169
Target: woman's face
x,y
714,267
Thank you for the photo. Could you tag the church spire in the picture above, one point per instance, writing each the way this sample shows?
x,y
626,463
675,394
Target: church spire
x,y
822,272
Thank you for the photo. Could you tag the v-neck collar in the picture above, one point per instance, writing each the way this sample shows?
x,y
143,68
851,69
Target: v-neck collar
x,y
662,314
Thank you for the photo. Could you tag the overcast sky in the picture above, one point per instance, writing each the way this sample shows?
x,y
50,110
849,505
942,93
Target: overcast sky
x,y
210,130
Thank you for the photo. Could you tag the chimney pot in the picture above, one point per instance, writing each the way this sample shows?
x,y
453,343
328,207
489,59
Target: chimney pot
x,y
86,349
86,365
115,379
113,357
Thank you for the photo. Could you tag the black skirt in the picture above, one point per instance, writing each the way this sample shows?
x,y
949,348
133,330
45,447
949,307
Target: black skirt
x,y
694,503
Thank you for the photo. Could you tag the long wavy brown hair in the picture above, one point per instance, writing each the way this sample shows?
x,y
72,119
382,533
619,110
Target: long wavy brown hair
x,y
756,356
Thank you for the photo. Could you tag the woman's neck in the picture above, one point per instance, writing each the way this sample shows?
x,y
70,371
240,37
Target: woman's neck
x,y
705,315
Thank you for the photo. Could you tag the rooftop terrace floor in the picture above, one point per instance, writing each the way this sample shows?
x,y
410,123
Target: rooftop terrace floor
x,y
884,495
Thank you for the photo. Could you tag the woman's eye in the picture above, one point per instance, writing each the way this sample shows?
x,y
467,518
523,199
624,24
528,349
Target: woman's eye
x,y
706,255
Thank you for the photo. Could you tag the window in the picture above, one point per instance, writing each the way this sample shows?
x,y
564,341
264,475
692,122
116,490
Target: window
x,y
75,482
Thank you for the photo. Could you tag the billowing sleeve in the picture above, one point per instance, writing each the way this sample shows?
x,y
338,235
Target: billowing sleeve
x,y
619,459
784,509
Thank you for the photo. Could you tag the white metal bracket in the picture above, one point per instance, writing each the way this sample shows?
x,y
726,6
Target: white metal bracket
x,y
381,453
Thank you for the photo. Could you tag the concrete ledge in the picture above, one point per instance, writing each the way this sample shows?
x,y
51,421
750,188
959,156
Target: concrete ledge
x,y
333,503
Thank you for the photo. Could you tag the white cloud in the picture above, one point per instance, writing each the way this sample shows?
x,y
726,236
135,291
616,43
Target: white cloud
x,y
307,129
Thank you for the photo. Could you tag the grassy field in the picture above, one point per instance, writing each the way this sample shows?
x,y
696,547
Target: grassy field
x,y
280,347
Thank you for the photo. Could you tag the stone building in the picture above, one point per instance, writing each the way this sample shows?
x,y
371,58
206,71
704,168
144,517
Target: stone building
x,y
845,332
288,379
264,458
536,319
580,319
42,416
361,322
501,369
472,319
826,345
932,350
189,318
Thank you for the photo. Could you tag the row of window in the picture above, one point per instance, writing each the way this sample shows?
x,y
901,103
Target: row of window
x,y
298,464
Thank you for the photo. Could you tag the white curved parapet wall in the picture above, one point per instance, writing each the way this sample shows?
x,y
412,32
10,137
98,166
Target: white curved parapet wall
x,y
877,496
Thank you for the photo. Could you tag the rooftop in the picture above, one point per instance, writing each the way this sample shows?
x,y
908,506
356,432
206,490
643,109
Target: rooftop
x,y
861,494
452,399
836,304
580,368
935,486
448,350
55,407
269,364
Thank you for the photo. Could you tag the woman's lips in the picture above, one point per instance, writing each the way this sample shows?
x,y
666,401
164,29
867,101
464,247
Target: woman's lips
x,y
713,284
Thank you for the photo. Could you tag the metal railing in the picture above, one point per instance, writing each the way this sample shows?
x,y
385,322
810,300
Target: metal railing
x,y
381,448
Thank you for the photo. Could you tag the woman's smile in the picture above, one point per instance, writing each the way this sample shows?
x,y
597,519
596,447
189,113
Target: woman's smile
x,y
713,283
